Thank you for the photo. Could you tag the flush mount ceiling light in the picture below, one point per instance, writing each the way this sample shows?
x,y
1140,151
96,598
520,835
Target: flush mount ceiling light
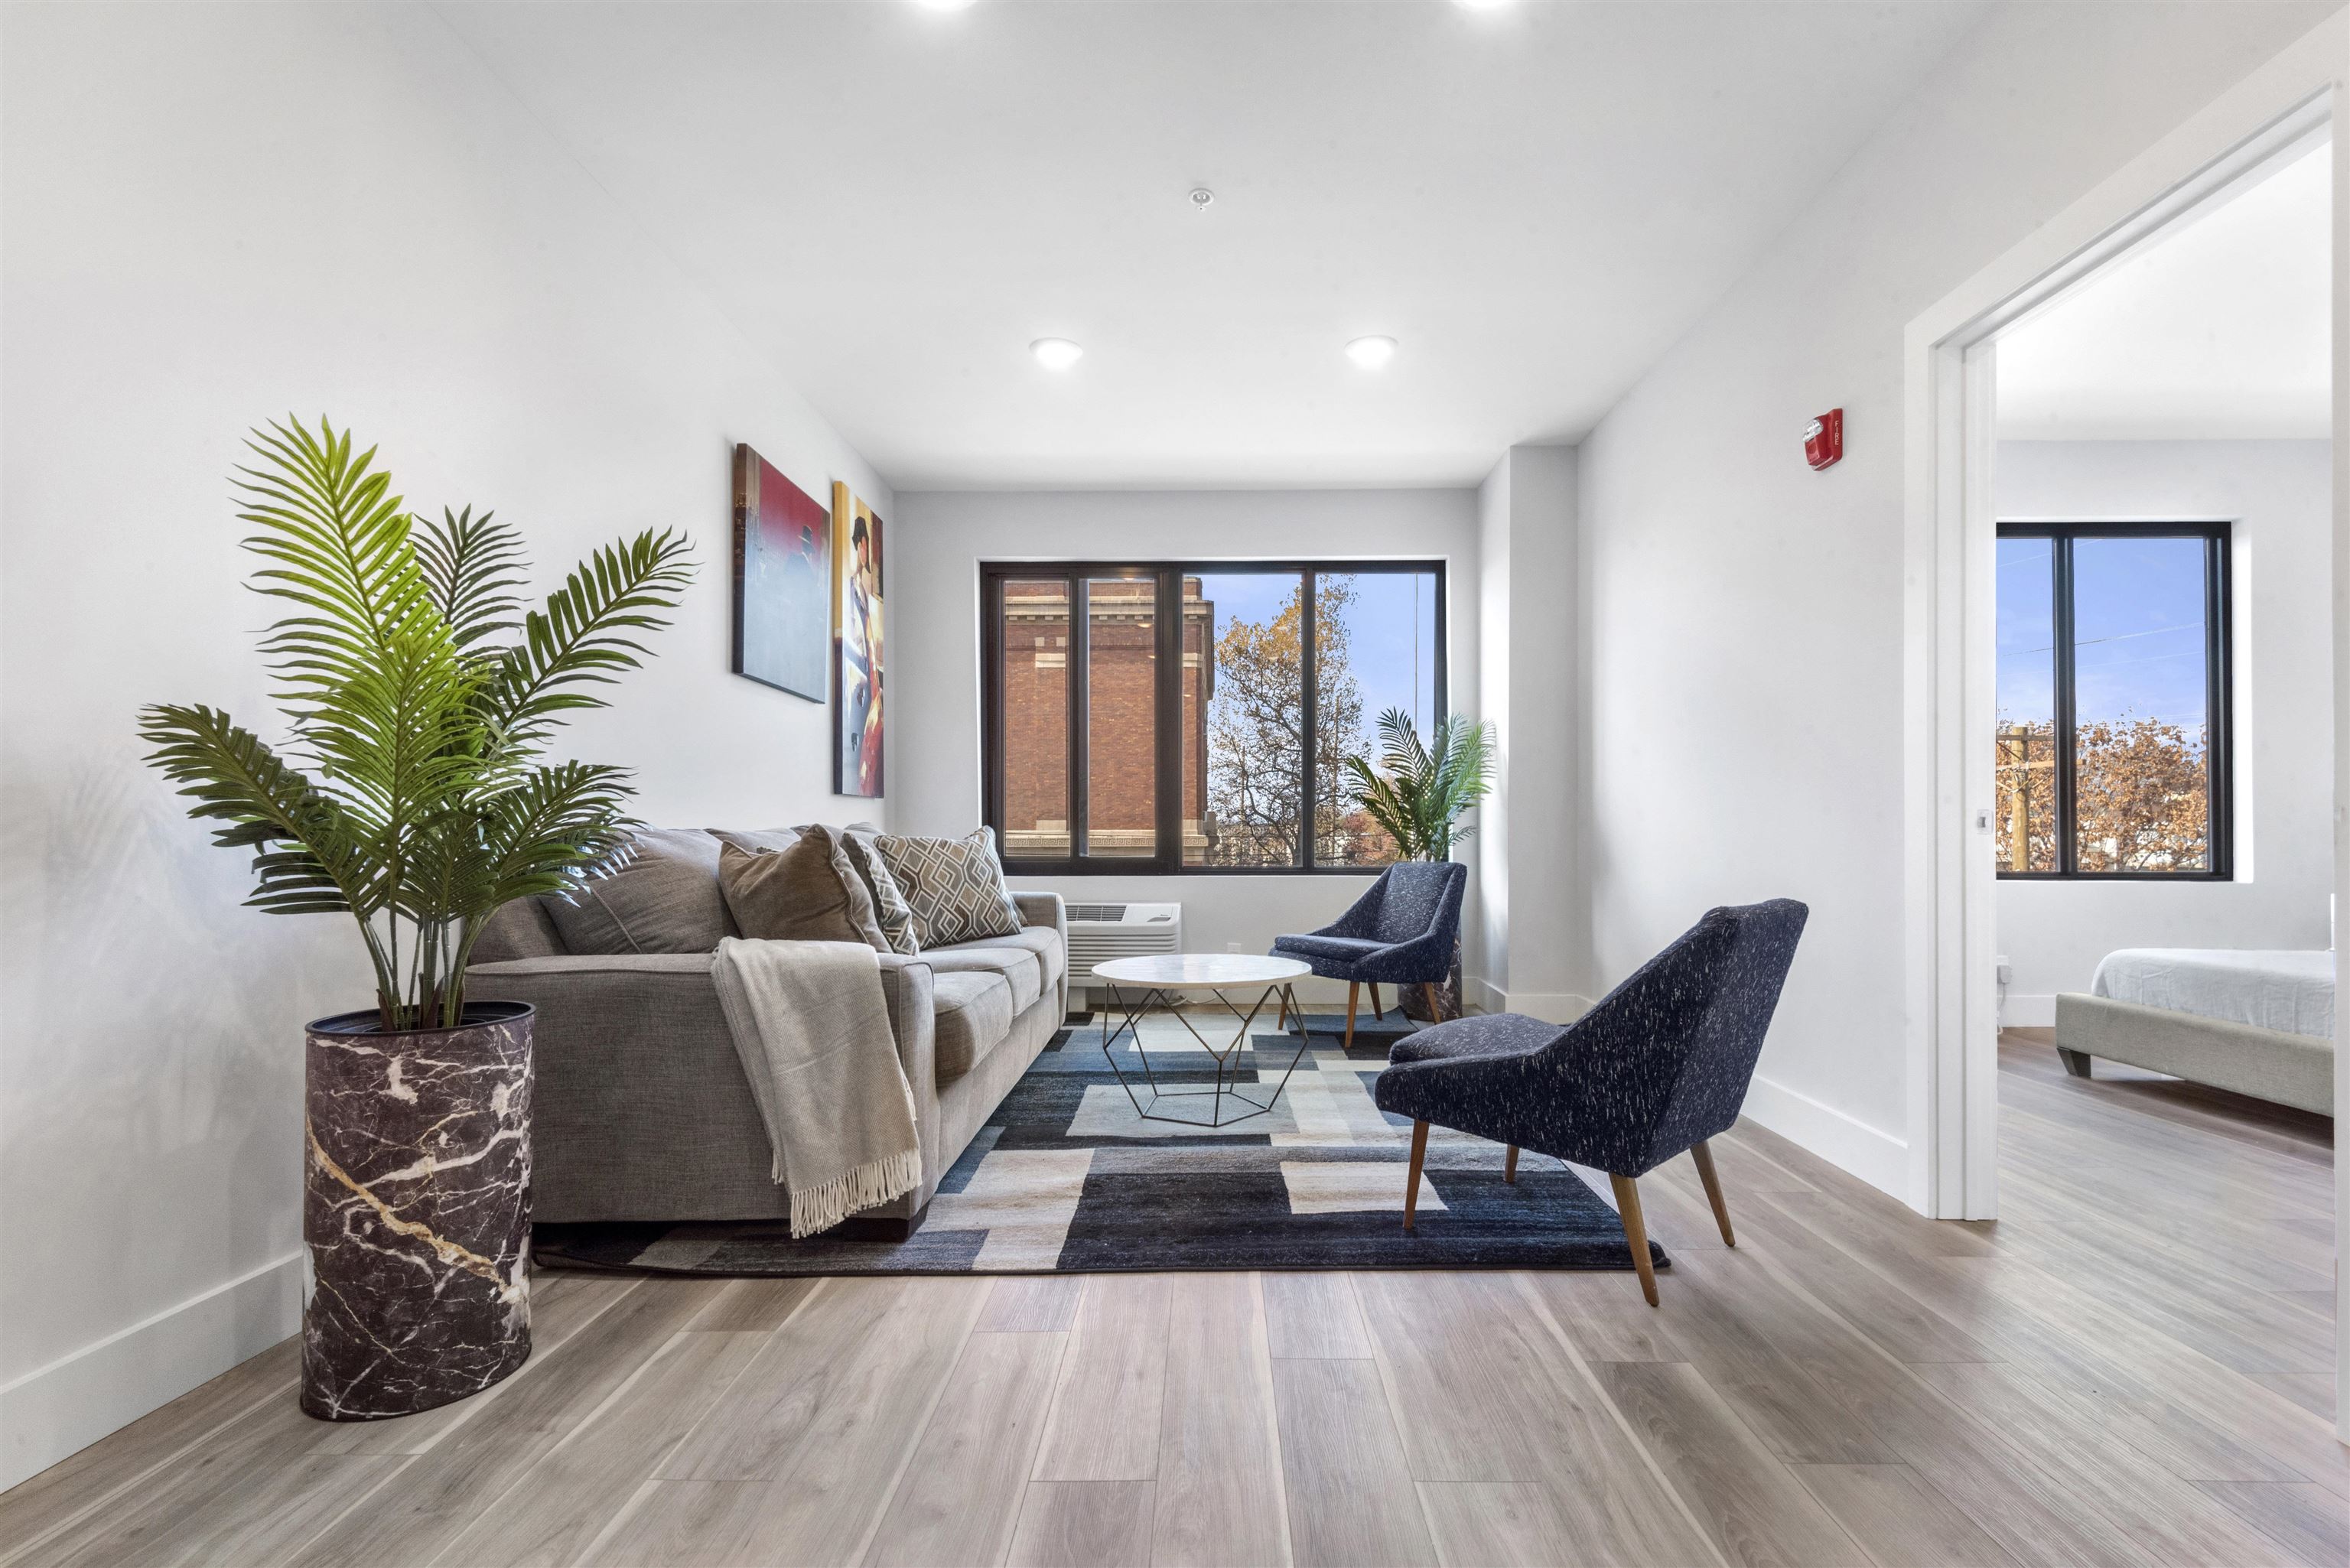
x,y
943,4
1371,353
1482,4
1056,353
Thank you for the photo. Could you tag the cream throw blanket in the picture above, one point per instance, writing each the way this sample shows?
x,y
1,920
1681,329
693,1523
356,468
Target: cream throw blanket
x,y
813,1031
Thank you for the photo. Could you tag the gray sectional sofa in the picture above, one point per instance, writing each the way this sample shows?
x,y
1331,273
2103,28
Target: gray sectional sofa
x,y
642,1109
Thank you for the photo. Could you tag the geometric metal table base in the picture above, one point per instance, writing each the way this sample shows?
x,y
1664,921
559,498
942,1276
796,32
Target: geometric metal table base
x,y
1226,1104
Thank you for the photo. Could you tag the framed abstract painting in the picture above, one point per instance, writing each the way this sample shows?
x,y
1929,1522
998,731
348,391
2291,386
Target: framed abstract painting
x,y
856,644
783,560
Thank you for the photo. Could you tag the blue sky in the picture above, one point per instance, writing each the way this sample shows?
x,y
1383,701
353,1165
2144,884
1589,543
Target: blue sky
x,y
2138,630
1391,626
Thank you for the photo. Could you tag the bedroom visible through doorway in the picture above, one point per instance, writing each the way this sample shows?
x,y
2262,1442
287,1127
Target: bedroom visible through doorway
x,y
2163,748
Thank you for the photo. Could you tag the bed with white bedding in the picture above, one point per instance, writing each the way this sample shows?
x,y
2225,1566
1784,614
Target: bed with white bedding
x,y
2260,1023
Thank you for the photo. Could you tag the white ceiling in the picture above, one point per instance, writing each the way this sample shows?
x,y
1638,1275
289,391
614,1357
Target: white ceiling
x,y
1536,202
2219,330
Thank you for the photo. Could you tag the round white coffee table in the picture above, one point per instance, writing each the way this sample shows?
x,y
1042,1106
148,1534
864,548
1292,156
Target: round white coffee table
x,y
1167,980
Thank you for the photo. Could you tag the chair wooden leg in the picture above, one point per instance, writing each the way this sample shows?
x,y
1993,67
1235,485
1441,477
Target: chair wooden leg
x,y
1435,1012
1704,1157
1636,1231
1284,1021
1411,1181
1353,994
1377,1011
1510,1170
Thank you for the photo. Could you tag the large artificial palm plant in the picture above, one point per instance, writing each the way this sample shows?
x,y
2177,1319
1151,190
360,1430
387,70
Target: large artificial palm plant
x,y
415,792
1418,792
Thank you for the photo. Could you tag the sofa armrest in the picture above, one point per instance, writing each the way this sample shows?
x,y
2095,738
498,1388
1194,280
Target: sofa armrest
x,y
1049,909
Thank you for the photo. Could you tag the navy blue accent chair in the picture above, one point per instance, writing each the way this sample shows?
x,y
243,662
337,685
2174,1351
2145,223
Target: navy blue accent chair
x,y
1401,930
1661,1065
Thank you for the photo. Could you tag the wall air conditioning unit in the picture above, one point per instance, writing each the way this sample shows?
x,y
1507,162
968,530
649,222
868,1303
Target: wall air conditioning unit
x,y
1100,932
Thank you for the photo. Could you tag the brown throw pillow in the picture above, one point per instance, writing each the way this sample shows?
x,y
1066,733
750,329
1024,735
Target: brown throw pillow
x,y
807,892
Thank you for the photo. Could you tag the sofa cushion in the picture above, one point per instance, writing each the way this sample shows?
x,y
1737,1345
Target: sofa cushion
x,y
954,884
806,893
1016,965
666,900
1042,942
974,1011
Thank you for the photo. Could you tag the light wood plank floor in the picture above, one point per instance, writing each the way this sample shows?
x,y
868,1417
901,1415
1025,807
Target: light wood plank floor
x,y
2132,1367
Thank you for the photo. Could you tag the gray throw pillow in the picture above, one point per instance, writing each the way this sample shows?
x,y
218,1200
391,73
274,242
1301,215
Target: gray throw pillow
x,y
666,900
954,887
890,911
807,892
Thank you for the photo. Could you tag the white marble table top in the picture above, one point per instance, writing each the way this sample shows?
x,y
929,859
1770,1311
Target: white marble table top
x,y
1200,971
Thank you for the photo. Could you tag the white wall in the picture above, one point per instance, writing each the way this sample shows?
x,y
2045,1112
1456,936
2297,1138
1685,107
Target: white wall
x,y
2279,495
941,537
215,215
1533,948
1746,614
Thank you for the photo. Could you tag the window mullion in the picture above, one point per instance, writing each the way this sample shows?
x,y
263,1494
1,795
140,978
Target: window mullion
x,y
1308,716
1167,718
2068,828
1078,666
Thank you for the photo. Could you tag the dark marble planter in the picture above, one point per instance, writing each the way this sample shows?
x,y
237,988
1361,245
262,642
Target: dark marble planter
x,y
416,1208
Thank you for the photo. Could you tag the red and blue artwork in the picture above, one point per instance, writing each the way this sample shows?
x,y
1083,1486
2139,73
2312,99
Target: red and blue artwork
x,y
783,564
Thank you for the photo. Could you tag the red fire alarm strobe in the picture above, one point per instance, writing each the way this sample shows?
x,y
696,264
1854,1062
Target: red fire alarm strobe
x,y
1823,440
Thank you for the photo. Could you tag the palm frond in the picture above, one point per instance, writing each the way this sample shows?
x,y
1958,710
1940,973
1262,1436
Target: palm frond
x,y
584,635
339,543
473,567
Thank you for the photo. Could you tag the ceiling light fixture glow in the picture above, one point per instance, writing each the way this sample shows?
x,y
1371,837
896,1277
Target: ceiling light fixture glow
x,y
1056,353
1371,353
943,5
1482,4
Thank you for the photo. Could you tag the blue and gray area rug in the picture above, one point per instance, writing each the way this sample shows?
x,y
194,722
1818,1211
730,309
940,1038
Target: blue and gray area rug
x,y
1066,1177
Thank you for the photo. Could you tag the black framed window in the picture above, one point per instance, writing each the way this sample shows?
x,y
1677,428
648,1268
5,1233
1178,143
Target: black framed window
x,y
2113,685
1197,716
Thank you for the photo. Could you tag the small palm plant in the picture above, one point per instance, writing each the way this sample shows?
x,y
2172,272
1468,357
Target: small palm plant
x,y
414,795
1418,792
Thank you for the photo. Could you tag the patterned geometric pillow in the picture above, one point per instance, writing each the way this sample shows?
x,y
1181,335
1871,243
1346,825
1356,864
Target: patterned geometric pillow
x,y
954,887
889,907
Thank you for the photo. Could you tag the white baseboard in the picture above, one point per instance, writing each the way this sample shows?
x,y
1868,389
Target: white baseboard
x,y
2028,1011
58,1410
1877,1157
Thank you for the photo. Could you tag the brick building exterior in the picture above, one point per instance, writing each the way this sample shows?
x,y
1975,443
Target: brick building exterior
x,y
1121,734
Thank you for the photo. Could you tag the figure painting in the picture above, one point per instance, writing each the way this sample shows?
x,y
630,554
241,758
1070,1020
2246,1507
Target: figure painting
x,y
782,557
857,643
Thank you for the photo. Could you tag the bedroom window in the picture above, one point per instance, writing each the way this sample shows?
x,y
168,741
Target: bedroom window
x,y
1197,716
2112,742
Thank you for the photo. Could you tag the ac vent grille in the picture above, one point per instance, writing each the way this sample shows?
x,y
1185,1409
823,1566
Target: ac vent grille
x,y
1101,932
